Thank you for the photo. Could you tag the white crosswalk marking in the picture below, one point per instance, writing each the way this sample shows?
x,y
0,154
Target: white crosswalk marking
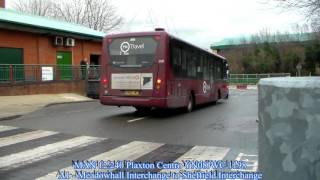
x,y
202,153
130,151
205,153
7,128
6,141
251,161
46,151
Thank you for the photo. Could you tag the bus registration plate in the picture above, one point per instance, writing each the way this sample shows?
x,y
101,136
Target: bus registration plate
x,y
131,93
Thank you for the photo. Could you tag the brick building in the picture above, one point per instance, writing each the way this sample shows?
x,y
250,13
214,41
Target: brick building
x,y
29,39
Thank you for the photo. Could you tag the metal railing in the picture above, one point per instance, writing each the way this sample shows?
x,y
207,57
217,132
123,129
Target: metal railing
x,y
25,73
252,78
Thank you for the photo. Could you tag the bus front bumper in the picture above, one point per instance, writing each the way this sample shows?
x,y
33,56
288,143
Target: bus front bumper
x,y
134,101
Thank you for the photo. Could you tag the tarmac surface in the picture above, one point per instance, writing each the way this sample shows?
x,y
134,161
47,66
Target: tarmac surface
x,y
38,144
230,122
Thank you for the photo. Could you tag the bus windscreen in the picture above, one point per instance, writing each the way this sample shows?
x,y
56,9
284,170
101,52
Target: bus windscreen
x,y
133,52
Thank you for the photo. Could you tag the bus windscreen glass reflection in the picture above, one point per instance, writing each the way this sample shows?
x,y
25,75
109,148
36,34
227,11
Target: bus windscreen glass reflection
x,y
133,52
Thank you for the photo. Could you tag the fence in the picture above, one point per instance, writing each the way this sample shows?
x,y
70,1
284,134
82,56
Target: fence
x,y
252,78
21,73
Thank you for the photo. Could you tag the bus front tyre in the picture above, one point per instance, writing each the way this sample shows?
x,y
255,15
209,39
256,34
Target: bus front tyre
x,y
190,105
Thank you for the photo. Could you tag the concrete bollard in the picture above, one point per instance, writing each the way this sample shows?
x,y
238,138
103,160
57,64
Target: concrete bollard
x,y
289,128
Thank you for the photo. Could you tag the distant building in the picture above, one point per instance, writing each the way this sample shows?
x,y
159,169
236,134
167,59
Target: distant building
x,y
235,48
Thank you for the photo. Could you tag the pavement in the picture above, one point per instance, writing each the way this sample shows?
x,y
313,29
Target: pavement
x,y
16,106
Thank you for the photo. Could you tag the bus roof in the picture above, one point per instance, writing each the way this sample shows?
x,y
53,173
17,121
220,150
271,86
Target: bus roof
x,y
162,33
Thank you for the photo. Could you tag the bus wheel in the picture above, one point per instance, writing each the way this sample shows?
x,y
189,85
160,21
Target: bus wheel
x,y
190,105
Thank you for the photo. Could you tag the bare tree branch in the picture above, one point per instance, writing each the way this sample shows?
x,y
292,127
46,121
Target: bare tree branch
x,y
310,8
37,7
96,14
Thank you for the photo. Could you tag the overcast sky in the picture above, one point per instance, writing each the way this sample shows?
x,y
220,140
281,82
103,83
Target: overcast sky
x,y
203,22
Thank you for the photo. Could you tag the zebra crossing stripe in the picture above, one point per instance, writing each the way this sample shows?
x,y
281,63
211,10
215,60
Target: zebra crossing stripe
x,y
7,128
130,151
202,153
205,153
6,141
251,161
29,156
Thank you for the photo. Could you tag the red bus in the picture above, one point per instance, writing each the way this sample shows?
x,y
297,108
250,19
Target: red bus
x,y
156,69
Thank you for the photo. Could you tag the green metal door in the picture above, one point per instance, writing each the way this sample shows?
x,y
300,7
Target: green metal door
x,y
64,65
12,56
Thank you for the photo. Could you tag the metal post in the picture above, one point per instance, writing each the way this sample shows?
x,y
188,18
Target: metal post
x,y
289,138
11,73
39,72
247,78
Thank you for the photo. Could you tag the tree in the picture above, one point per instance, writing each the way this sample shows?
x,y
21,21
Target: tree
x,y
264,59
36,7
96,14
289,63
309,7
312,54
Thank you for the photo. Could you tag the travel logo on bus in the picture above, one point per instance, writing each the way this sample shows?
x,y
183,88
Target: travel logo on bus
x,y
125,47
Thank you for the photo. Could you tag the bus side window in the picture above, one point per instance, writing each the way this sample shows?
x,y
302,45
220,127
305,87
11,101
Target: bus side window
x,y
219,73
191,65
211,69
200,67
217,69
196,59
183,63
224,74
214,64
176,61
206,72
227,71
222,70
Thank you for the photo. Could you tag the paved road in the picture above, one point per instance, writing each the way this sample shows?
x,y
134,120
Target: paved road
x,y
230,123
47,140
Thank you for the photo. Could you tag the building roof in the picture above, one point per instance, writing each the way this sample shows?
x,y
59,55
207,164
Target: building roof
x,y
236,41
13,19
